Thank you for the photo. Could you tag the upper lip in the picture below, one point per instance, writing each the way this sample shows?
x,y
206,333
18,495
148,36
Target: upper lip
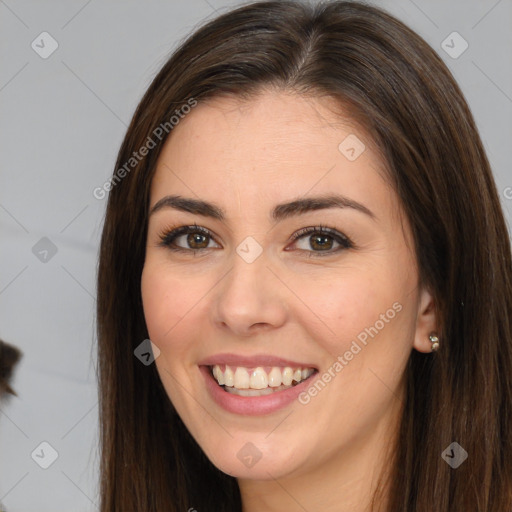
x,y
252,361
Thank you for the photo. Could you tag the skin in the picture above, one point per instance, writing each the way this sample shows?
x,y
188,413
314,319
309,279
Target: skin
x,y
248,156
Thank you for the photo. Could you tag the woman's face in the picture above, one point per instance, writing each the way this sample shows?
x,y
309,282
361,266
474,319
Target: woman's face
x,y
244,298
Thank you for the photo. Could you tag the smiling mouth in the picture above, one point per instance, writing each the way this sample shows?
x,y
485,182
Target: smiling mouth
x,y
259,381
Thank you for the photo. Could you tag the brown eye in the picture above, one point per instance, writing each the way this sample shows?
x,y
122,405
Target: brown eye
x,y
322,242
197,241
191,239
321,239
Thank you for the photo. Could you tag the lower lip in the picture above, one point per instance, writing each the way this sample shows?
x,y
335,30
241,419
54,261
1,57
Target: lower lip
x,y
252,405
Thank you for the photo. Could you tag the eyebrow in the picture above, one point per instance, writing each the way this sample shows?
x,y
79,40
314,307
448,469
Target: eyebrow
x,y
280,211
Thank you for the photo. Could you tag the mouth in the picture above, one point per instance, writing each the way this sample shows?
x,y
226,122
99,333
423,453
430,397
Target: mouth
x,y
259,381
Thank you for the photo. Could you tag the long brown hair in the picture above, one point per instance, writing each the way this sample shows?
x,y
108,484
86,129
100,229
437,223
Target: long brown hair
x,y
389,81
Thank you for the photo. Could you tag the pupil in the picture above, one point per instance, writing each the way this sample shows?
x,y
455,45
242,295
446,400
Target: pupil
x,y
321,245
196,237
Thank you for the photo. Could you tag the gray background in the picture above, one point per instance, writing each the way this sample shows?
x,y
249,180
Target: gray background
x,y
62,120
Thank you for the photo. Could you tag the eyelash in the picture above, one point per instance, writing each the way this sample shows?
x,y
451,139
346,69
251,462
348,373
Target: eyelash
x,y
168,236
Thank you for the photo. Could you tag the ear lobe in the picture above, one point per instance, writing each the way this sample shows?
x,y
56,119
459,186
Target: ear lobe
x,y
426,322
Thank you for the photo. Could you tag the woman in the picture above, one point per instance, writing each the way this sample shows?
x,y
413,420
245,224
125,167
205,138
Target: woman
x,y
374,376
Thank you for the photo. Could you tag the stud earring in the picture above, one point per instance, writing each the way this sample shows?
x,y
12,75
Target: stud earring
x,y
435,342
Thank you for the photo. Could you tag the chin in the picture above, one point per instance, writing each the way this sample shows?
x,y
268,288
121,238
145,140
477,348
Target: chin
x,y
251,456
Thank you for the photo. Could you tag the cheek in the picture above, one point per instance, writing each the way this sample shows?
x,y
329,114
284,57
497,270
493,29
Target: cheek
x,y
361,306
368,321
165,302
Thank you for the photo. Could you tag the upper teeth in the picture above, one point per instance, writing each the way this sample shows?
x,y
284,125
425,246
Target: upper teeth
x,y
257,378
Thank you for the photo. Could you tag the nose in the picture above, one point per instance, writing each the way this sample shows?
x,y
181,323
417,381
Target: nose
x,y
250,298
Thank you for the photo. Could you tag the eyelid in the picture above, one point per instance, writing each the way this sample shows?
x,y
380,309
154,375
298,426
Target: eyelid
x,y
344,241
321,229
168,235
179,230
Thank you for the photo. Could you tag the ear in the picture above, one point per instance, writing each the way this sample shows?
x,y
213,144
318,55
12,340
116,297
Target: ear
x,y
426,322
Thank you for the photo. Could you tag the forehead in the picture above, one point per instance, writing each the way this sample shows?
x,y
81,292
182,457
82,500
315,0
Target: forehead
x,y
273,144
